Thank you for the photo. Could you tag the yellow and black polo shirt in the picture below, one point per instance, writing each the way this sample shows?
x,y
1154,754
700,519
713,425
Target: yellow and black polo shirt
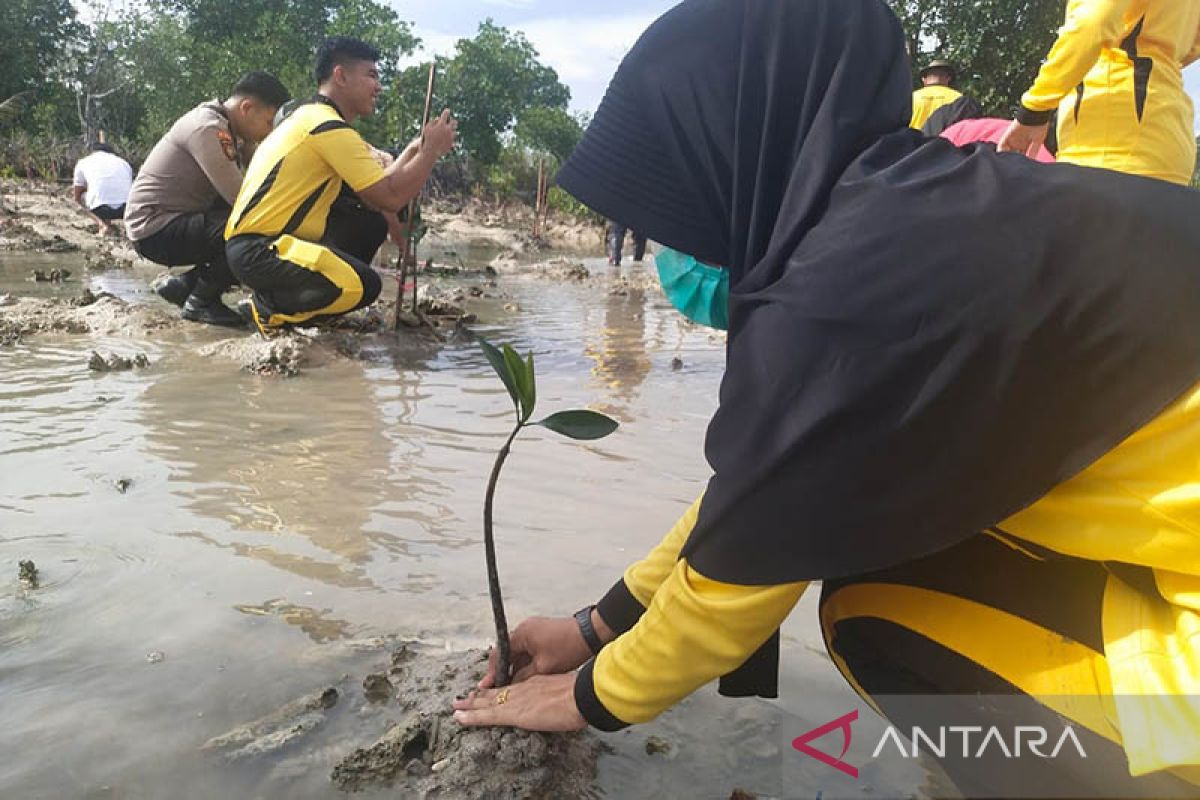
x,y
297,173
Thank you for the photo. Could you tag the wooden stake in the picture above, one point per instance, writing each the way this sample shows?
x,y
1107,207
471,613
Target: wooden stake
x,y
545,204
537,202
411,248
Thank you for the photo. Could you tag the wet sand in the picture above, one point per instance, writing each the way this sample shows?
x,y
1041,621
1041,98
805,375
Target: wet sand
x,y
280,536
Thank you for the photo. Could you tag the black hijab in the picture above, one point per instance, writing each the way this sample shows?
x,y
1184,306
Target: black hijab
x,y
923,339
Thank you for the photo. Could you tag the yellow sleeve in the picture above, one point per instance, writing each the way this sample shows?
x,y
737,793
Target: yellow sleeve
x,y
347,154
1091,25
644,577
1194,53
694,631
623,605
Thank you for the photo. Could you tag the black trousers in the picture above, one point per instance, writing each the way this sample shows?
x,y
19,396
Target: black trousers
x,y
616,243
354,228
197,238
297,281
109,213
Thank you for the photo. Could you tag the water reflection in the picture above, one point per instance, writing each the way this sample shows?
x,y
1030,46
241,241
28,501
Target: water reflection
x,y
619,348
281,459
319,627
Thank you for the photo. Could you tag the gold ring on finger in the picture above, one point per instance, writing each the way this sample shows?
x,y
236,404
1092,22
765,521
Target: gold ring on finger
x,y
502,697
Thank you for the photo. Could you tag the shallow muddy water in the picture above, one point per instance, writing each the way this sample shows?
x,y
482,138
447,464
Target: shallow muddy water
x,y
271,525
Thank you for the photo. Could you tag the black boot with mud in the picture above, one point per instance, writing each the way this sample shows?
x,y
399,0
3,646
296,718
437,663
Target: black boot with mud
x,y
176,289
254,317
204,305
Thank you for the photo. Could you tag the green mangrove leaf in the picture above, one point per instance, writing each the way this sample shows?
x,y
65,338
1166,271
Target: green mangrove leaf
x,y
532,385
496,359
579,424
523,381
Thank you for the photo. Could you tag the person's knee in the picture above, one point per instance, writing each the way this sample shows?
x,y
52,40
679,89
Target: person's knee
x,y
372,285
311,296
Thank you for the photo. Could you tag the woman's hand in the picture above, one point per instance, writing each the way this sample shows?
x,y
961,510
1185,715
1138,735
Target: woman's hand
x,y
541,646
1026,139
542,703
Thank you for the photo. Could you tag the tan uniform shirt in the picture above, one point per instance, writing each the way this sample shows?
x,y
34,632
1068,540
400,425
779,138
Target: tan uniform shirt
x,y
190,168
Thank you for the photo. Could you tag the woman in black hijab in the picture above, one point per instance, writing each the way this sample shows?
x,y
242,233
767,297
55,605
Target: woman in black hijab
x,y
961,390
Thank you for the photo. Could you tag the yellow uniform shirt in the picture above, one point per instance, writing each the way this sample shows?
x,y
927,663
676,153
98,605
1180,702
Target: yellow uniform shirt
x,y
297,173
1139,504
929,99
1115,76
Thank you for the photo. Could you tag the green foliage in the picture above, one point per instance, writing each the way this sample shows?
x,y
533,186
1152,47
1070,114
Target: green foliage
x,y
548,130
566,204
492,80
579,424
134,68
997,45
519,379
36,33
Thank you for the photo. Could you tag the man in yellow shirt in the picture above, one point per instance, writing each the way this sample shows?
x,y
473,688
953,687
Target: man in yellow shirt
x,y
1115,76
934,93
276,238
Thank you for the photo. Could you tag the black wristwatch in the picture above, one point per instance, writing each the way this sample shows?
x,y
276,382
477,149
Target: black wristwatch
x,y
583,617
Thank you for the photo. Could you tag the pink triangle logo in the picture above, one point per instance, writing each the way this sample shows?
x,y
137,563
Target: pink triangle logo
x,y
842,724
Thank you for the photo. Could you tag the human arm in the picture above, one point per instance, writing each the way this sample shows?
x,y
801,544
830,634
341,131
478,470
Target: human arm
x,y
1091,25
695,630
79,185
403,180
547,645
214,150
1194,53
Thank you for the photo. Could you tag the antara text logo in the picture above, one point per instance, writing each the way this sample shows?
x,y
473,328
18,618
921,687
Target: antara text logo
x,y
971,741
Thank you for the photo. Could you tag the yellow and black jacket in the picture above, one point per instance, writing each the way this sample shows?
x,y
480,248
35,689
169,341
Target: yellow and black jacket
x,y
1138,505
1115,76
929,99
297,173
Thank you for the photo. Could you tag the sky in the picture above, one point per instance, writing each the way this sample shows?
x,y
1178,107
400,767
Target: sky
x,y
583,40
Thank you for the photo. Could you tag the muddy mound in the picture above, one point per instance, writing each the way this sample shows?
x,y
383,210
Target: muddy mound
x,y
563,269
422,752
17,235
285,354
427,754
88,313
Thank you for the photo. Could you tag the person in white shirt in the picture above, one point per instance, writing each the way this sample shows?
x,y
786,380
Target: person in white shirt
x,y
102,183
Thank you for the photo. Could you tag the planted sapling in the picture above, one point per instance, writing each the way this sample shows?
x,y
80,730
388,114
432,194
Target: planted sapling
x,y
517,374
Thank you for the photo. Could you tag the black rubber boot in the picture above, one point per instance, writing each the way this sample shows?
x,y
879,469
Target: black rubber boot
x,y
204,305
176,289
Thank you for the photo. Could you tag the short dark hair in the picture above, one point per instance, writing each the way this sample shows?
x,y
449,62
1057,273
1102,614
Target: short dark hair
x,y
341,50
103,147
262,86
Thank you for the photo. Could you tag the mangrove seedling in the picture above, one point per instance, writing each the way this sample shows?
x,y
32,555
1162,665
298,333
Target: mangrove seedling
x,y
580,424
